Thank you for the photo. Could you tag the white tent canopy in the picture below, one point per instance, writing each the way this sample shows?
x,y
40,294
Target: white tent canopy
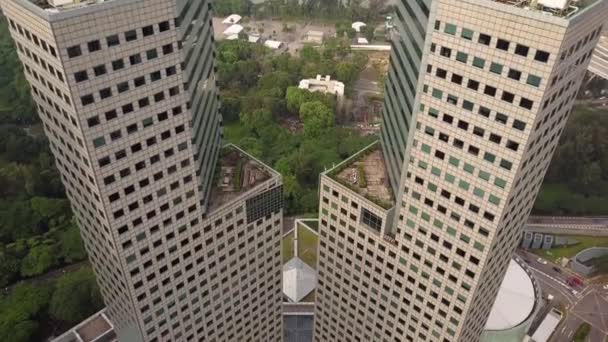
x,y
299,279
515,300
273,44
232,19
362,41
234,29
357,25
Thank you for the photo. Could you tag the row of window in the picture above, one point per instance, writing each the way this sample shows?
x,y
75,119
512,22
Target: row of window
x,y
33,38
40,61
114,39
122,87
48,85
485,39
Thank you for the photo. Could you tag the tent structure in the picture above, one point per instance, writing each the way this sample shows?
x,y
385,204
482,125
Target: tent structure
x,y
232,19
273,44
299,279
362,41
232,37
358,25
253,39
234,29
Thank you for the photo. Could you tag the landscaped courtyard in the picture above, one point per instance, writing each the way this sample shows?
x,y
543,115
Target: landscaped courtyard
x,y
554,254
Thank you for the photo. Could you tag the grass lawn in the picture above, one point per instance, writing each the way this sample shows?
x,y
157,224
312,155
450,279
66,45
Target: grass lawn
x,y
570,251
307,247
287,247
557,199
313,224
581,333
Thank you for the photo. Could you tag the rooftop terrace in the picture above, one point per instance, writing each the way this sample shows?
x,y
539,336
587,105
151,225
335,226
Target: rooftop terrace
x,y
557,8
96,328
236,173
365,173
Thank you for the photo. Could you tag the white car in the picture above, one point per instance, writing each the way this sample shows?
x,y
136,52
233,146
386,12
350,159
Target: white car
x,y
605,287
541,261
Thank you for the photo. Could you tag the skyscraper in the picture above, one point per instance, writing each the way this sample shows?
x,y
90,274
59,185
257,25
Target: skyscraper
x,y
599,61
416,232
183,235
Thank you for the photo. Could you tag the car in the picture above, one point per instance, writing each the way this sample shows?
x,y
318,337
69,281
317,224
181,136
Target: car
x,y
574,292
605,287
557,269
541,261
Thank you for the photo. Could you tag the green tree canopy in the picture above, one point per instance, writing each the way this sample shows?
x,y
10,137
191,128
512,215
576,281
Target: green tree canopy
x,y
317,118
76,296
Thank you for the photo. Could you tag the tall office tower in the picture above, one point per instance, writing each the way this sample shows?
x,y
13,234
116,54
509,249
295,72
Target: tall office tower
x,y
599,60
416,235
126,92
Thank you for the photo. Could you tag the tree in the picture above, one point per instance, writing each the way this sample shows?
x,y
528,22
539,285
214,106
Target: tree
x,y
9,267
76,296
72,248
309,54
20,310
317,118
39,259
347,72
369,32
256,119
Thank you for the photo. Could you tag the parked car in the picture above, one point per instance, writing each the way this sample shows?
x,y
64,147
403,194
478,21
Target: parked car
x,y
557,269
541,261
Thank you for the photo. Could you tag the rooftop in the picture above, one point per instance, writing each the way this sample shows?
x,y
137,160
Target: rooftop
x,y
95,328
236,173
516,299
365,173
64,5
557,8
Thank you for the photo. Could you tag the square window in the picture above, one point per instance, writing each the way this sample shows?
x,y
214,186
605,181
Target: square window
x,y
507,96
111,115
74,51
118,64
122,87
484,39
456,79
167,49
143,102
479,62
105,93
514,74
521,50
164,26
519,125
445,52
94,45
502,44
130,35
147,30
496,68
501,118
135,59
467,34
484,111
541,56
98,142
151,54
489,90
93,121
155,76
81,76
461,57
171,70
87,99
139,81
472,84
526,103
437,24
441,73
99,70
533,80
450,29
112,40
128,108
468,105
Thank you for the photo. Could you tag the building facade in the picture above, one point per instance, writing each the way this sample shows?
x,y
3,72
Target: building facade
x,y
126,93
477,97
599,61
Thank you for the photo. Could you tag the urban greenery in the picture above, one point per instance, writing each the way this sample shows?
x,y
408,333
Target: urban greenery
x,y
580,335
290,129
577,180
584,242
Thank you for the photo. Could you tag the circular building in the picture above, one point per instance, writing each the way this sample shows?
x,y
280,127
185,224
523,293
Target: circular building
x,y
515,306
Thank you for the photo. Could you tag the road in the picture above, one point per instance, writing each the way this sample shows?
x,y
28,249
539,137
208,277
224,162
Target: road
x,y
569,225
588,304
